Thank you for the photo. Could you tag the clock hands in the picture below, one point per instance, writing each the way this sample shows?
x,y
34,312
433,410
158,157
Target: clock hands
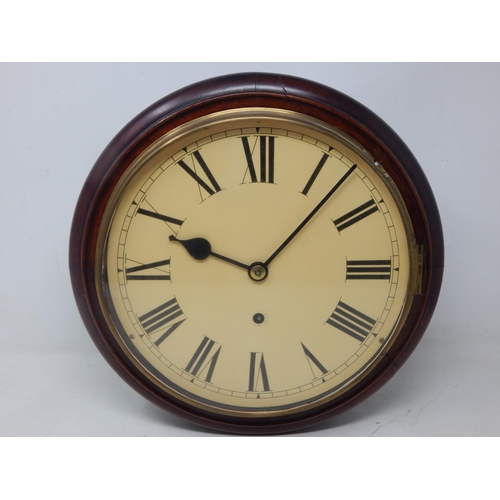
x,y
201,249
310,216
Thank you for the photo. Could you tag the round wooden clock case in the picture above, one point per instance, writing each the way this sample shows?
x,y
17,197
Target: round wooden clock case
x,y
256,253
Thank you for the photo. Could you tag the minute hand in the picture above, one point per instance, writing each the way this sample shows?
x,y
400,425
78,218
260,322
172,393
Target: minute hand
x,y
311,215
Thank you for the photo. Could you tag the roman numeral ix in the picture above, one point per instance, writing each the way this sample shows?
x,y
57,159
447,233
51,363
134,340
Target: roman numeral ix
x,y
135,273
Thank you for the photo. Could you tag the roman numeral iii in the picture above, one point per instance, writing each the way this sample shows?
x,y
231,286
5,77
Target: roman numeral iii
x,y
368,270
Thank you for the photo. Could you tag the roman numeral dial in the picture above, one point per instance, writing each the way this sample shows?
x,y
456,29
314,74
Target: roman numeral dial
x,y
213,213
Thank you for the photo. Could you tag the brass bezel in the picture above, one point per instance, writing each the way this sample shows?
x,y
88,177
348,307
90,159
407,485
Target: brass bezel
x,y
199,127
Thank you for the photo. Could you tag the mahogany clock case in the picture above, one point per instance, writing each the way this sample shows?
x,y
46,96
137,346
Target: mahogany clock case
x,y
258,90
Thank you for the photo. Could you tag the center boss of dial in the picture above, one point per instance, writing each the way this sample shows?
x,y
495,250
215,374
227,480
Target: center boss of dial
x,y
258,271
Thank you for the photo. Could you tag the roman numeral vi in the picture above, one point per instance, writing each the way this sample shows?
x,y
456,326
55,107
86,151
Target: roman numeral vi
x,y
258,372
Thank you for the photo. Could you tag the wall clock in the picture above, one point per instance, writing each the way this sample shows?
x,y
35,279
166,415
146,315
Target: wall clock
x,y
256,253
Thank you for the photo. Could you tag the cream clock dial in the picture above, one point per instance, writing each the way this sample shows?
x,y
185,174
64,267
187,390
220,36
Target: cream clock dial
x,y
256,267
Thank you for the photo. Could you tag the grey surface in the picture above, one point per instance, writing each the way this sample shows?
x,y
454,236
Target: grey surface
x,y
55,121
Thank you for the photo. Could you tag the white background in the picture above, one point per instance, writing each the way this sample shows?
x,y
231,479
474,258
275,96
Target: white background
x,y
55,119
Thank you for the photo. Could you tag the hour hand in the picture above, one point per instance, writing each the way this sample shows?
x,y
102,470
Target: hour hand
x,y
200,249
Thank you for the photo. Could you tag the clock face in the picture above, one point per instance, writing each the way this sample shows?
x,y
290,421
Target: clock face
x,y
255,263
